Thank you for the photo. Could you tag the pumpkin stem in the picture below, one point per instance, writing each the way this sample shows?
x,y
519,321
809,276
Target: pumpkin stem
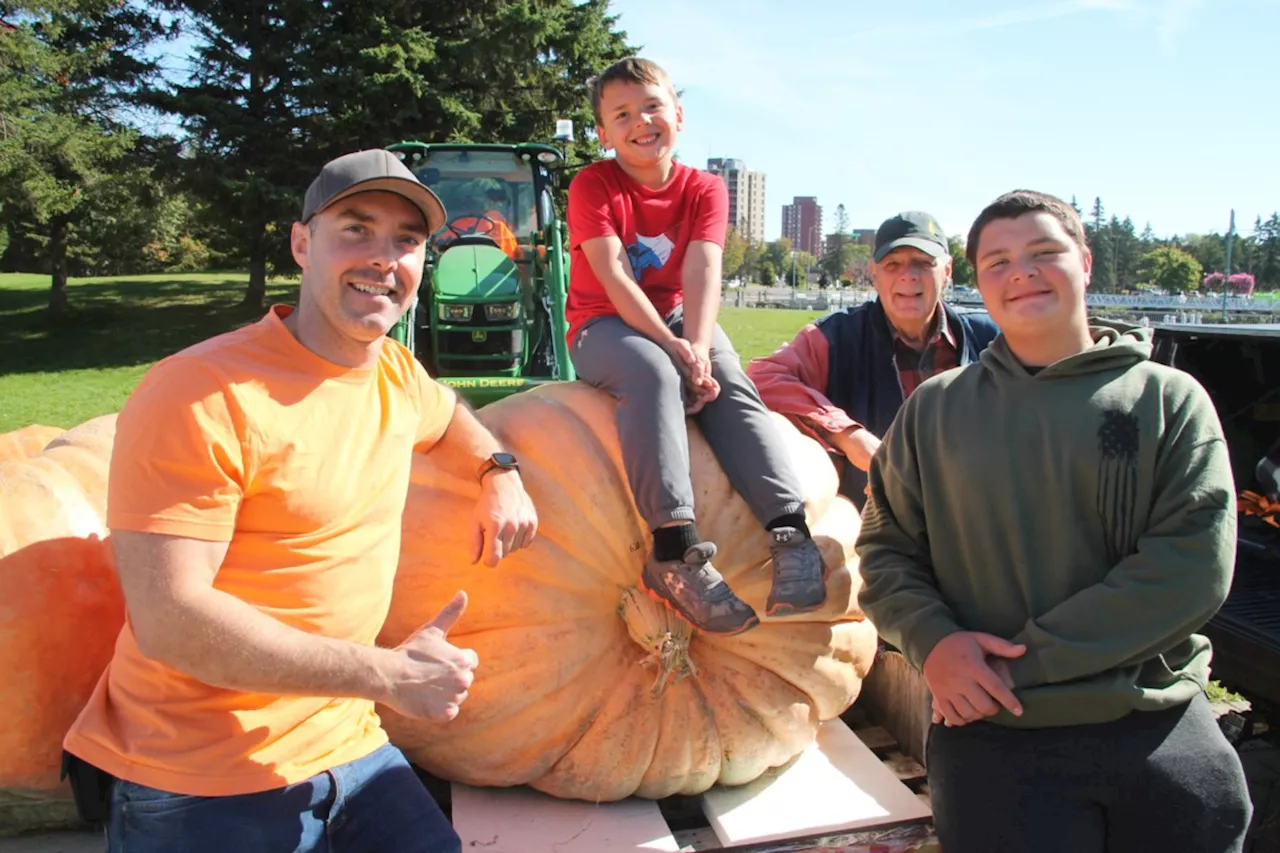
x,y
664,634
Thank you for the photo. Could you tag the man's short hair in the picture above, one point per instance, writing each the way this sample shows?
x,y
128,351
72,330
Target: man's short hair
x,y
633,69
1013,204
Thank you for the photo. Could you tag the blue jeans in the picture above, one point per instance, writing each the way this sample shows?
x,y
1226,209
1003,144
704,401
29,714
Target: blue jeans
x,y
374,805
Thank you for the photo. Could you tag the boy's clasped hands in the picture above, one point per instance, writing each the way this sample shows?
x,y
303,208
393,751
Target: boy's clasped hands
x,y
694,364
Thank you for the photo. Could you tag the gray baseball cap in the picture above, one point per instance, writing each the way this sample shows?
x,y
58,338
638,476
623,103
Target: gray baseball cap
x,y
366,171
913,228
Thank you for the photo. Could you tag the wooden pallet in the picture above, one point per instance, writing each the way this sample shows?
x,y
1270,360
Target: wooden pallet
x,y
851,792
854,762
895,693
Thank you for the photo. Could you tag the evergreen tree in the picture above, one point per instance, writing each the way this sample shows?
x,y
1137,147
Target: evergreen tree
x,y
1128,253
67,68
835,258
1100,245
284,85
1266,252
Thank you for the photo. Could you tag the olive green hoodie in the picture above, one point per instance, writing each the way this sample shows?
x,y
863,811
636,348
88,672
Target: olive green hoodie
x,y
1086,510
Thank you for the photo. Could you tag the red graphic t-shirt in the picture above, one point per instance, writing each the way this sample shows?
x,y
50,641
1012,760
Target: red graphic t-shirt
x,y
655,225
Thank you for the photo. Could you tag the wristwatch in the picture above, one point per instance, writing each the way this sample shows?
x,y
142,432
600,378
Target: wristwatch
x,y
502,461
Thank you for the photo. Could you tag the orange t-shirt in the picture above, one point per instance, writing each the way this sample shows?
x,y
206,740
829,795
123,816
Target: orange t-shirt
x,y
303,466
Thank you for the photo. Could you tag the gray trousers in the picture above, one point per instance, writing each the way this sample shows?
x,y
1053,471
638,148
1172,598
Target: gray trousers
x,y
652,427
1151,781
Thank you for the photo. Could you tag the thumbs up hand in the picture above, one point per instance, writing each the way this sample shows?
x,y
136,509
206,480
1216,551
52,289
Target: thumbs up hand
x,y
430,675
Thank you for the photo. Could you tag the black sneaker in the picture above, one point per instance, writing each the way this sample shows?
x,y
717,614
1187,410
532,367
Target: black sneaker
x,y
696,591
799,574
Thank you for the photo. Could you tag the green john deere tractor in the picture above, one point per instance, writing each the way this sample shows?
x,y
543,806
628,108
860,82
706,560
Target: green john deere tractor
x,y
489,319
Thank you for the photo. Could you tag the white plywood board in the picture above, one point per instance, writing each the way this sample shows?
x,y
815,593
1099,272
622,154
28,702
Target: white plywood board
x,y
836,784
521,820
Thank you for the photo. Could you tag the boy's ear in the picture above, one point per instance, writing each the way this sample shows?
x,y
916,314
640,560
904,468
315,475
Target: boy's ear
x,y
679,116
603,138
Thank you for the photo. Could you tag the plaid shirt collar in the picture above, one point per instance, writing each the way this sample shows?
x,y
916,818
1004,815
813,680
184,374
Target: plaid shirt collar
x,y
917,362
938,328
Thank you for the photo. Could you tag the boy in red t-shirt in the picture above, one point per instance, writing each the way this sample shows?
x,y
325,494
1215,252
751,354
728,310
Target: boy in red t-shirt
x,y
647,236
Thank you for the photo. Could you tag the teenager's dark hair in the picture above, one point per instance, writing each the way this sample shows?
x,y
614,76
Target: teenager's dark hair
x,y
633,69
1013,204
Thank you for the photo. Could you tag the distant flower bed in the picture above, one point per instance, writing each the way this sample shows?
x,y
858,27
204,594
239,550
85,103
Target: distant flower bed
x,y
1240,283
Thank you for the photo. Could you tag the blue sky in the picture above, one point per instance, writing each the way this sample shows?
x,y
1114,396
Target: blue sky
x,y
1164,108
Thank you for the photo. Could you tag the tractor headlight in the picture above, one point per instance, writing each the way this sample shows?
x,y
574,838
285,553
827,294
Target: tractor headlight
x,y
502,311
455,312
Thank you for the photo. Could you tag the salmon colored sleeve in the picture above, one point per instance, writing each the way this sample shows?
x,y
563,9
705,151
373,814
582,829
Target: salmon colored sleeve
x,y
793,382
436,402
178,462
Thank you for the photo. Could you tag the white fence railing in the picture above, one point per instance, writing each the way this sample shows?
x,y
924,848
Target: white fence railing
x,y
834,300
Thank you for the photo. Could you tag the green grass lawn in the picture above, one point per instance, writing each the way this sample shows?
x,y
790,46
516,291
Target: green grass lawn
x,y
760,331
63,372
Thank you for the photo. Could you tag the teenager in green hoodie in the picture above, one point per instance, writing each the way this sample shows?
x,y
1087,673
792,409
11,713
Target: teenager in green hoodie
x,y
1046,531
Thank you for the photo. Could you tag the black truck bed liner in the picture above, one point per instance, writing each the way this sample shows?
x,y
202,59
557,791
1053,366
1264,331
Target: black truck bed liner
x,y
1239,366
1246,631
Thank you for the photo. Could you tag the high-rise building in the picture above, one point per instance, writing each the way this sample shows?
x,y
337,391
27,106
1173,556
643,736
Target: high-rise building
x,y
802,224
746,196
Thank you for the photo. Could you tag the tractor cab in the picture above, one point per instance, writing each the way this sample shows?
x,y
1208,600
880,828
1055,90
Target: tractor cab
x,y
489,318
489,198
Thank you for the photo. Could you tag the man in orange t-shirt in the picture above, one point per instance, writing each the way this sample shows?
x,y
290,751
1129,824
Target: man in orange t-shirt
x,y
256,489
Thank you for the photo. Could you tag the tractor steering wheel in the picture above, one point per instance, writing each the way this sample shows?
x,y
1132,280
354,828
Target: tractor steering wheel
x,y
480,218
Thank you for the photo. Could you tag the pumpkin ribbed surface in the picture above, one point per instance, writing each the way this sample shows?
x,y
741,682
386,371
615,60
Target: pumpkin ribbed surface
x,y
27,441
587,688
60,612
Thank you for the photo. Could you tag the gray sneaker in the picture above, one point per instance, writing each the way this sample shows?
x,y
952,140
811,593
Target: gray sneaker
x,y
799,574
696,591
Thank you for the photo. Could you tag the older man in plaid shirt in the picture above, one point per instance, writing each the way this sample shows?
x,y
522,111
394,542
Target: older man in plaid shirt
x,y
843,378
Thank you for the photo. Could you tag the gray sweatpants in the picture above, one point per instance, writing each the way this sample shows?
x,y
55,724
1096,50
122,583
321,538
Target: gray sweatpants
x,y
1152,781
639,374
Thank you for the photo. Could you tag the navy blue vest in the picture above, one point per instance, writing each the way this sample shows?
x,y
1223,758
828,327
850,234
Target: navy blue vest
x,y
862,378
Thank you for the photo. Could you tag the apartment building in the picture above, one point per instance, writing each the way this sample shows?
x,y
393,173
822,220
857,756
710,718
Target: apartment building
x,y
865,236
802,224
746,196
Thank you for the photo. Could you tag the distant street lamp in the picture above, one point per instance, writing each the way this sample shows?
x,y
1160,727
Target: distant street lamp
x,y
1226,274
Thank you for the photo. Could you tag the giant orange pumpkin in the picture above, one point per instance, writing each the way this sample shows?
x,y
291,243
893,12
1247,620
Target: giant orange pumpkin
x,y
60,611
27,441
588,689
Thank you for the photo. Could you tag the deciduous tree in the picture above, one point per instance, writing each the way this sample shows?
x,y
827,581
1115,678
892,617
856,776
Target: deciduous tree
x,y
1170,270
